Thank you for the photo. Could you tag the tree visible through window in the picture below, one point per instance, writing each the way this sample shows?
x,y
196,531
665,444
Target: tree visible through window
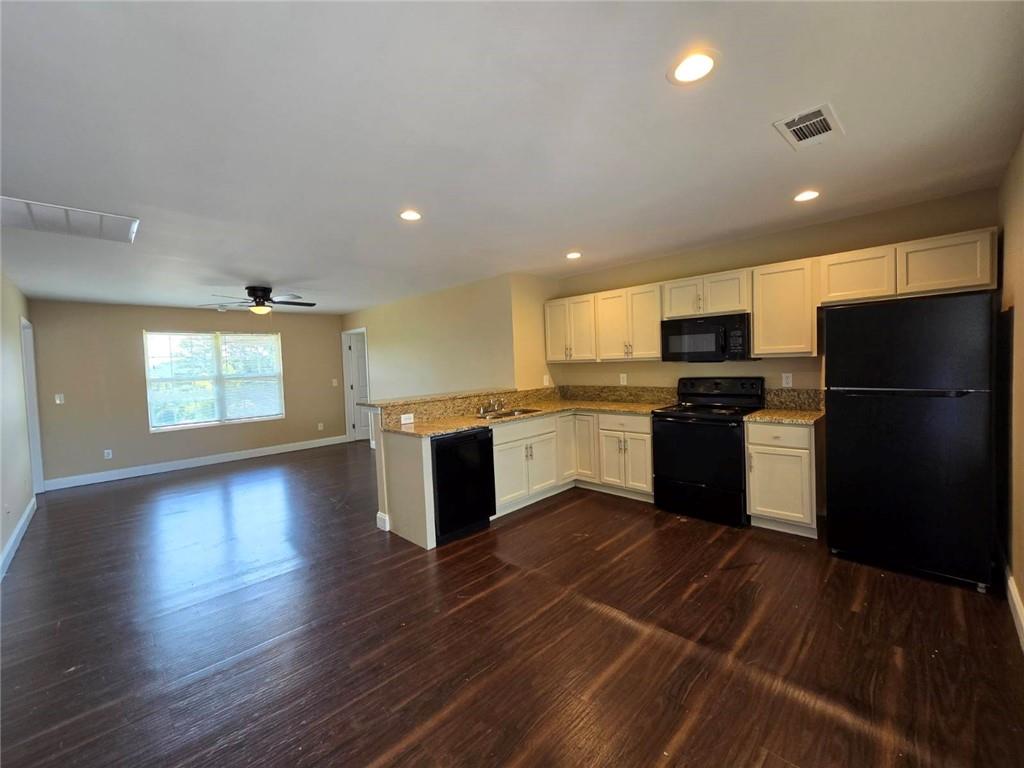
x,y
208,378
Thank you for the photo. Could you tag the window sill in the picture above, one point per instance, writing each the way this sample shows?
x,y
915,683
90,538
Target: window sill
x,y
204,424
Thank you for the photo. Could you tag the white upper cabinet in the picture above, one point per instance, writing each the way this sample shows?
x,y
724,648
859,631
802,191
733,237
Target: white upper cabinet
x,y
964,261
569,329
682,298
629,323
582,331
727,292
644,322
785,309
612,325
556,329
719,294
869,273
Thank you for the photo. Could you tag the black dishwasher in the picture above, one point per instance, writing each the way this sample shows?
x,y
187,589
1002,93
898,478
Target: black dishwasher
x,y
463,482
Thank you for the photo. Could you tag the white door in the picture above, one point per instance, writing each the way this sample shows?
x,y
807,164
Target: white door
x,y
727,292
543,462
780,484
511,477
946,263
582,332
612,325
357,343
784,316
637,456
586,446
612,465
864,274
556,329
566,431
644,322
681,298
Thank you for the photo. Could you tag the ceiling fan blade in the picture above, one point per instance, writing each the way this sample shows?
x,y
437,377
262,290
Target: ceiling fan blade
x,y
233,298
286,297
225,304
295,303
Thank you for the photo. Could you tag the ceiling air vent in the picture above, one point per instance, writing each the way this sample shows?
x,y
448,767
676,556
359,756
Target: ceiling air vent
x,y
813,127
45,217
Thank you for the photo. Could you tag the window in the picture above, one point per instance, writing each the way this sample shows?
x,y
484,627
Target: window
x,y
197,379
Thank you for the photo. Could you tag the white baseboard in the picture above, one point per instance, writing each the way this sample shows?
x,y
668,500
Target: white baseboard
x,y
1016,606
383,522
783,527
16,535
72,481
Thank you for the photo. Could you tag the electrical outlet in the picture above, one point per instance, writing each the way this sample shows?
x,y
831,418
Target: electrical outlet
x,y
107,453
787,379
547,380
622,378
334,382
407,418
319,426
59,398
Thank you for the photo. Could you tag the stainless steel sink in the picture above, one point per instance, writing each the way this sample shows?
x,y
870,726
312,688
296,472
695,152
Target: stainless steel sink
x,y
507,414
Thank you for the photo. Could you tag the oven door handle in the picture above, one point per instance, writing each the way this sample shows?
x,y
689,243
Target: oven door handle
x,y
711,423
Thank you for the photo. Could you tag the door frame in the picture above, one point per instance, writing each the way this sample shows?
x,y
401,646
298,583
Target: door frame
x,y
348,366
28,369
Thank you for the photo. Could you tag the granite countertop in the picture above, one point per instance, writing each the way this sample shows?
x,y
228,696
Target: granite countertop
x,y
784,416
452,424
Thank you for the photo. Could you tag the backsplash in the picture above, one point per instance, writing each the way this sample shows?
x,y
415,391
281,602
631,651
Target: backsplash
x,y
795,399
444,406
617,394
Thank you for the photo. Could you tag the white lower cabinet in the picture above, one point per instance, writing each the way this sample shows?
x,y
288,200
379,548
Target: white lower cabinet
x,y
567,449
626,460
524,466
784,488
586,447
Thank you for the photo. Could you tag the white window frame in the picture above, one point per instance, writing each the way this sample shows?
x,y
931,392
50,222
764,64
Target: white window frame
x,y
218,379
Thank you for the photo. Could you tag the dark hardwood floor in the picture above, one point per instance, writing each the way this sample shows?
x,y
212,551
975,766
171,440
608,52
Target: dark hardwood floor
x,y
251,614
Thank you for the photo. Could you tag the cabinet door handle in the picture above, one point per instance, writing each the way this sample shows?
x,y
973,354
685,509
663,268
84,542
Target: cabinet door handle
x,y
750,456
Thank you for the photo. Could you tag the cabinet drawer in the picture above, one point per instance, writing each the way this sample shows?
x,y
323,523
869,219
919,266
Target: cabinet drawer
x,y
520,430
785,435
620,423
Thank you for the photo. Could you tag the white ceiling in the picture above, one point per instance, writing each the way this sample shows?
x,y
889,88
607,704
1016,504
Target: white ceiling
x,y
278,142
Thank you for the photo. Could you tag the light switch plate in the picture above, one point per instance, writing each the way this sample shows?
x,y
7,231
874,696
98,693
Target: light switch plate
x,y
319,426
407,418
107,453
547,380
334,382
787,380
59,398
622,378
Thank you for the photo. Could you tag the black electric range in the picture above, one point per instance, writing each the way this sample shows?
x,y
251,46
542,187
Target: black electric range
x,y
699,464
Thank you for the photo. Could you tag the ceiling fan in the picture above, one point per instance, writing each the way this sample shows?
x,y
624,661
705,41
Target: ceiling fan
x,y
260,301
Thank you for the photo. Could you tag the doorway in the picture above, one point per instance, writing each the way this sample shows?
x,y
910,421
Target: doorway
x,y
355,360
28,368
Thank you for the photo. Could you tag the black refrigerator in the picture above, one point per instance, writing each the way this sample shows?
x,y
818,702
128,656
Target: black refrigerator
x,y
911,474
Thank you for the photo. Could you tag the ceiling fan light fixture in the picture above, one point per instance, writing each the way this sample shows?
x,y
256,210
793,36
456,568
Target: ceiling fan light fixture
x,y
260,309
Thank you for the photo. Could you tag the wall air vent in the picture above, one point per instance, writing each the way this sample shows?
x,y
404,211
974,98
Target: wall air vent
x,y
44,217
808,128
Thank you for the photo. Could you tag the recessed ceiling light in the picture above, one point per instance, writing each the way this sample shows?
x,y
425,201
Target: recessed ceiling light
x,y
692,68
807,194
410,215
573,255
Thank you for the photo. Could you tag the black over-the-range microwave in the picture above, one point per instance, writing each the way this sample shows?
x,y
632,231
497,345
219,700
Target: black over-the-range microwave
x,y
706,339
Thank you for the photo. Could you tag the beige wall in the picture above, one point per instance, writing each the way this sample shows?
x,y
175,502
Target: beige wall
x,y
530,357
1011,205
447,341
951,214
935,217
15,467
93,353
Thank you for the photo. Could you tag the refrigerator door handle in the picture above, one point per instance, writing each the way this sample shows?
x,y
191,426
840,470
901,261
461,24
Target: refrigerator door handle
x,y
874,392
